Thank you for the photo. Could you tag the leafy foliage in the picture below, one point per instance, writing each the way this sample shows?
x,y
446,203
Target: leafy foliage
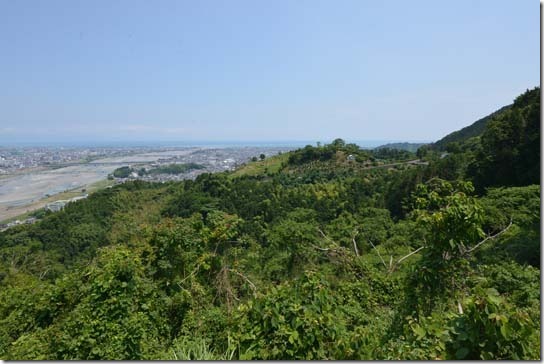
x,y
328,252
490,328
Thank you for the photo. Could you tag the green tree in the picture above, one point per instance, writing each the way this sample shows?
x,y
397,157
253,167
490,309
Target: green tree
x,y
453,221
122,172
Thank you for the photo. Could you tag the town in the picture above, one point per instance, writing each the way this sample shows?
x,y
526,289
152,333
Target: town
x,y
16,159
31,177
202,160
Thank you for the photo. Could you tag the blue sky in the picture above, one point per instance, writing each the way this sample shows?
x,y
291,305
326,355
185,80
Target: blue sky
x,y
259,70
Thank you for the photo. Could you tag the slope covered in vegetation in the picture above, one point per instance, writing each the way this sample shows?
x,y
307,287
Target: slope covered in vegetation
x,y
327,252
473,130
506,153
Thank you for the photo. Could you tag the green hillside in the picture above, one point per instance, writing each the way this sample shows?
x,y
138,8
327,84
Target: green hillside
x,y
327,252
269,165
473,130
505,153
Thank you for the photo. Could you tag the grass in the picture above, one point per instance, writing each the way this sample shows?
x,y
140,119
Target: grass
x,y
99,185
197,349
269,165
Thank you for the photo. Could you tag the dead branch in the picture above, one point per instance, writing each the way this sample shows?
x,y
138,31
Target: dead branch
x,y
322,249
354,235
343,255
224,287
392,267
244,277
355,247
189,276
488,238
326,237
43,274
385,265
407,256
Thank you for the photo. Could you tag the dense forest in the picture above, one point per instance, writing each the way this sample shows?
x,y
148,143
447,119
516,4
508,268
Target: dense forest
x,y
326,252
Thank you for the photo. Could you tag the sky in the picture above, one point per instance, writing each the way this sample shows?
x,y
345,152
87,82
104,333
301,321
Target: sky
x,y
260,70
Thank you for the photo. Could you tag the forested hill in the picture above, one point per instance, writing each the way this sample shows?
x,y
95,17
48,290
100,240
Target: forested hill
x,y
473,130
506,153
476,129
327,252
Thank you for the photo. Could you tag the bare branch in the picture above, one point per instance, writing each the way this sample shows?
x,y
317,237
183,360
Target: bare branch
x,y
326,237
42,274
377,251
488,238
355,247
354,235
318,248
224,287
233,295
407,256
244,277
189,276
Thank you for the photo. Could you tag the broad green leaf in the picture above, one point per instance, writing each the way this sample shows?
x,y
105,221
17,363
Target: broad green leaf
x,y
461,353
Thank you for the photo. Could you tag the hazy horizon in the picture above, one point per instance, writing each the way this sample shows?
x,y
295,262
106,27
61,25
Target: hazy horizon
x,y
125,71
196,143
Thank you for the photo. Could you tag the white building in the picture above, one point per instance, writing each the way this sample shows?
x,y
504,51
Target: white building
x,y
56,206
